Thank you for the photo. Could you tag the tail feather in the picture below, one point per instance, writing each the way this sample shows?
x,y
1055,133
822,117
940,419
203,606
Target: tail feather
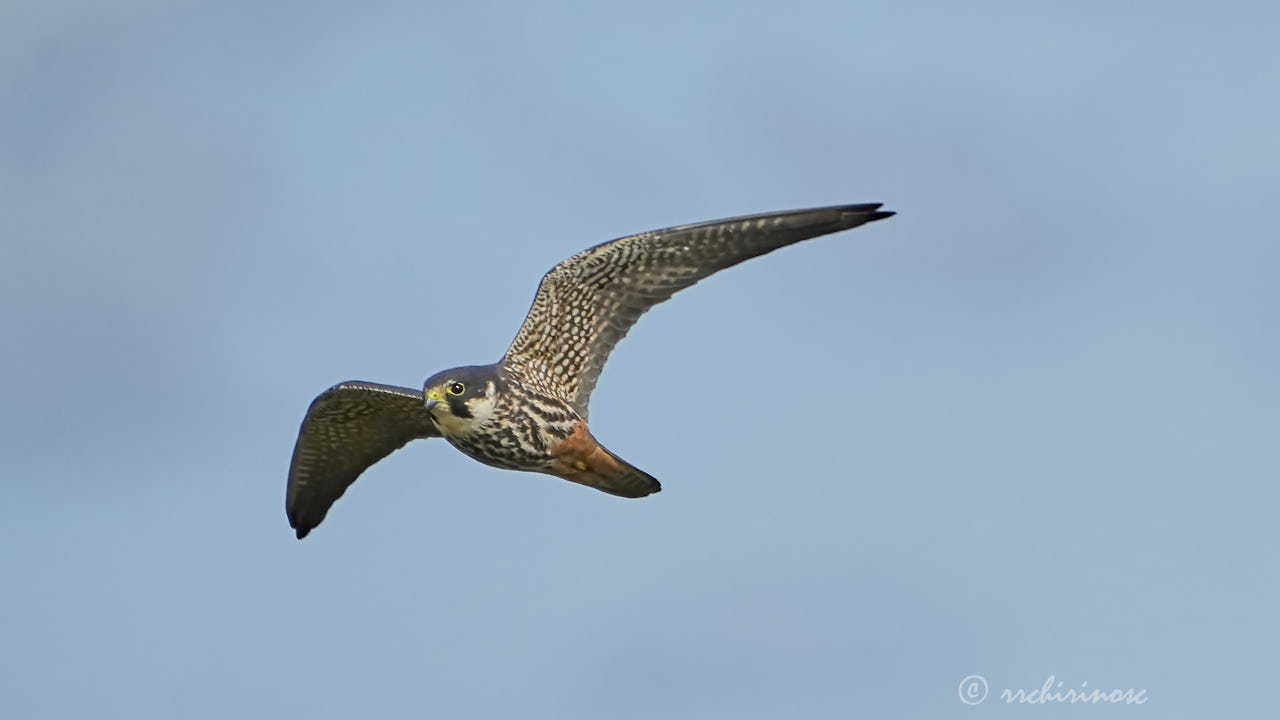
x,y
626,480
582,459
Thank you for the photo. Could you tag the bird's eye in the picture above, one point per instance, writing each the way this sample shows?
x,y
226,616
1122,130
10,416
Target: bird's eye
x,y
456,388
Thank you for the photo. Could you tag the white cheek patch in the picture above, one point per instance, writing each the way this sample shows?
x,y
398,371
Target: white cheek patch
x,y
482,409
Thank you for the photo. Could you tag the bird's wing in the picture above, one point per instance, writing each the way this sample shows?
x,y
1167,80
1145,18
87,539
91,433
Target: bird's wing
x,y
587,303
348,427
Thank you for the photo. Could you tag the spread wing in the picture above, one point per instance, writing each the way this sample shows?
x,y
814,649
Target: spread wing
x,y
349,427
587,303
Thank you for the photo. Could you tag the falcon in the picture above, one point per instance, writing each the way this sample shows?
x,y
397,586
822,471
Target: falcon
x,y
528,411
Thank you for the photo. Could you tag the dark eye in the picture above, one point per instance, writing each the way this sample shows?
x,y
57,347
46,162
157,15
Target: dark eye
x,y
456,388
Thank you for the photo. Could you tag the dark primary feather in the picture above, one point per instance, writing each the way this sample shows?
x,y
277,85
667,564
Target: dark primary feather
x,y
587,303
348,427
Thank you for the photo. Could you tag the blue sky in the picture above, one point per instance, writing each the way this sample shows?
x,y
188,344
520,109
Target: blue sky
x,y
1025,428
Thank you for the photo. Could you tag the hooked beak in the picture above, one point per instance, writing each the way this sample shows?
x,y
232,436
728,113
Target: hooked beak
x,y
433,399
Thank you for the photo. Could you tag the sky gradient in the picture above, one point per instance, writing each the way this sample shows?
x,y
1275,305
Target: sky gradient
x,y
1027,427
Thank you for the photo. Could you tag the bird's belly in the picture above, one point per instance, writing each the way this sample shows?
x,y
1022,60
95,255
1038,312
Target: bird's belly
x,y
504,448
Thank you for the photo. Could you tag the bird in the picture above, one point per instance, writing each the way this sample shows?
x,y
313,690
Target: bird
x,y
528,411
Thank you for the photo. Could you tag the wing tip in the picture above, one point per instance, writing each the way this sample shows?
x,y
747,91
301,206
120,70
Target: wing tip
x,y
302,520
852,216
300,527
866,212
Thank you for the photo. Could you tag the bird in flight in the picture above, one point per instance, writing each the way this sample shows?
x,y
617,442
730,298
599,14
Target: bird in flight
x,y
528,411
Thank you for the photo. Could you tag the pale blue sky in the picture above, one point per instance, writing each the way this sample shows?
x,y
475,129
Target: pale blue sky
x,y
1026,427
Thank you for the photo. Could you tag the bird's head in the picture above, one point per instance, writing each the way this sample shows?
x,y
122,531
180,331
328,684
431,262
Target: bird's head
x,y
464,398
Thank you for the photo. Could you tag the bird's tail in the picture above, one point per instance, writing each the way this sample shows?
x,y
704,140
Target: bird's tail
x,y
627,480
582,459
